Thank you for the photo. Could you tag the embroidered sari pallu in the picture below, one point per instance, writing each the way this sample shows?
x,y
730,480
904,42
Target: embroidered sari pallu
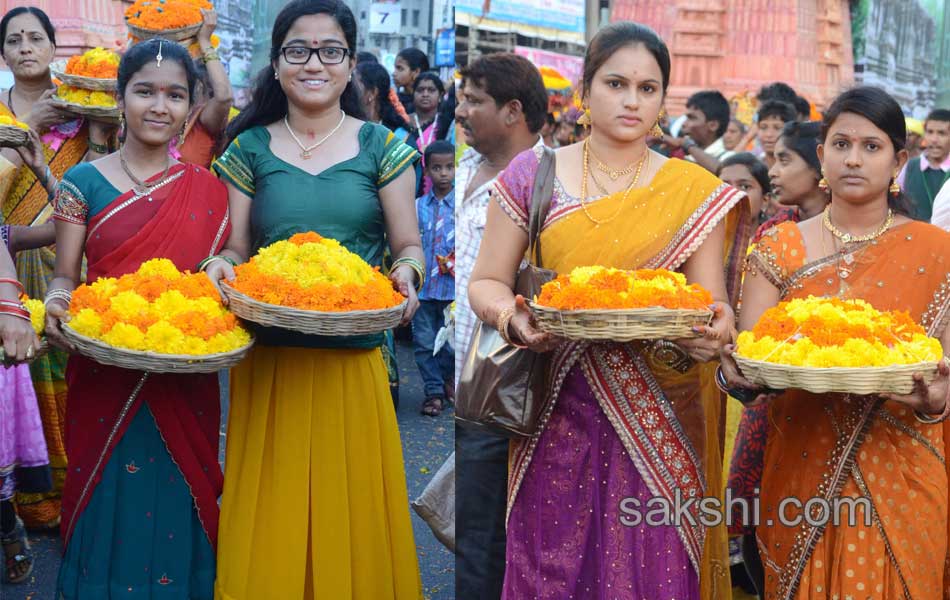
x,y
620,425
892,542
140,508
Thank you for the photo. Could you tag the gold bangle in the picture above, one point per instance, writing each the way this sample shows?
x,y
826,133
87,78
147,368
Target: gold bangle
x,y
927,420
209,55
502,323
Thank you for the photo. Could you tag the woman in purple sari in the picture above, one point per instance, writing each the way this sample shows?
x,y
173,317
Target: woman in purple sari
x,y
626,422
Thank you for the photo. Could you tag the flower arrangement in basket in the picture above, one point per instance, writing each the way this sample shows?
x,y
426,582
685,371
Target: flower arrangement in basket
x,y
833,345
313,284
88,83
156,319
601,303
13,132
176,20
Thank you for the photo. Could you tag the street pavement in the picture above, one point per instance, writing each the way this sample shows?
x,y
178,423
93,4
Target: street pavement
x,y
426,443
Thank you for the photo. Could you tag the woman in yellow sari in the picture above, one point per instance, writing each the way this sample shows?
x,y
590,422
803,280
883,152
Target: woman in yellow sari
x,y
28,47
626,420
890,450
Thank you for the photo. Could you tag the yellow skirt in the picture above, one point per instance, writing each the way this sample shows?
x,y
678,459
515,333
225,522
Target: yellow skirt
x,y
315,503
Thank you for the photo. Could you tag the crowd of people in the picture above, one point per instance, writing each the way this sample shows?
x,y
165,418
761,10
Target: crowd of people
x,y
125,463
783,207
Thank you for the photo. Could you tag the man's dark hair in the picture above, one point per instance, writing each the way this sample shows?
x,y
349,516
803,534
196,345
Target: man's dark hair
x,y
940,114
714,105
777,108
803,108
506,77
777,91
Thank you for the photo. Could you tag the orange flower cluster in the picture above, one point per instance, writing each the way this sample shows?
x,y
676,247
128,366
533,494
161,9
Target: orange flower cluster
x,y
605,288
157,15
268,277
98,63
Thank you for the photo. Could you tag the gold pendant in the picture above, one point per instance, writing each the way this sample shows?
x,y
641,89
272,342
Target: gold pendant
x,y
614,176
305,155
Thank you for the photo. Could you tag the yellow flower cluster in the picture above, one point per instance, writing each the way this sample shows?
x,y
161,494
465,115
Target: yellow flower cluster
x,y
37,314
77,95
12,121
98,63
828,332
157,309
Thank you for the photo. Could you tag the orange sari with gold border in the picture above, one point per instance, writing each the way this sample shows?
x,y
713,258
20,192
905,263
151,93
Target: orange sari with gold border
x,y
837,446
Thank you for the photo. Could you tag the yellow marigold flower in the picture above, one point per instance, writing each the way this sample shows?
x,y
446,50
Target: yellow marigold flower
x,y
164,338
123,335
37,314
128,304
87,322
159,267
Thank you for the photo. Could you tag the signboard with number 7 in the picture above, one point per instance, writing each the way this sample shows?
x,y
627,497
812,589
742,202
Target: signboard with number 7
x,y
384,17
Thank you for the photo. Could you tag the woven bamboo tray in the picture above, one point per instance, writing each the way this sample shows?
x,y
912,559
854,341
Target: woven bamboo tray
x,y
150,361
58,69
620,325
96,112
356,322
897,379
12,136
176,35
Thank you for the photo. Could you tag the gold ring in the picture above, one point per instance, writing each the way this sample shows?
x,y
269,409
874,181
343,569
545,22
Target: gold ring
x,y
29,351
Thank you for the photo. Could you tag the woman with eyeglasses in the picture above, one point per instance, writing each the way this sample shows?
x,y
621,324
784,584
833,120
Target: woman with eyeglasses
x,y
315,502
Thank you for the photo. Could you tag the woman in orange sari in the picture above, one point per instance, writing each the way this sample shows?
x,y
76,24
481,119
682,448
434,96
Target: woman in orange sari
x,y
888,449
626,420
28,47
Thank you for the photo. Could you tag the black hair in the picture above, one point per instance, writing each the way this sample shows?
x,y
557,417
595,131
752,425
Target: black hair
x,y
366,57
446,114
802,107
758,169
550,119
777,91
505,77
617,35
415,58
41,16
375,76
803,138
878,107
145,52
438,147
777,108
939,114
430,76
740,124
269,102
714,106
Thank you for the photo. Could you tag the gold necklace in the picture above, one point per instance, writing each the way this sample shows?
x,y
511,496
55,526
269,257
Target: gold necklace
x,y
306,150
142,187
623,200
614,174
847,238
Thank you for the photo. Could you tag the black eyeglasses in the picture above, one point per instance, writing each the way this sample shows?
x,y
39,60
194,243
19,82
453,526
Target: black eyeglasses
x,y
300,55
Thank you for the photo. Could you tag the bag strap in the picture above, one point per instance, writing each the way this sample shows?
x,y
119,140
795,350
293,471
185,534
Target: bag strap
x,y
540,202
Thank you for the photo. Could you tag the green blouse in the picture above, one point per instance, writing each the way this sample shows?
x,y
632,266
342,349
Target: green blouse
x,y
341,202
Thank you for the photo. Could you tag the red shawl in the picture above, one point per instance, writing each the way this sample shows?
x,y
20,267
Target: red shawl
x,y
185,221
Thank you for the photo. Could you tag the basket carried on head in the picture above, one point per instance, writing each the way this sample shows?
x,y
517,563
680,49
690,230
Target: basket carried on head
x,y
58,69
153,362
313,322
621,325
108,113
12,136
897,379
176,35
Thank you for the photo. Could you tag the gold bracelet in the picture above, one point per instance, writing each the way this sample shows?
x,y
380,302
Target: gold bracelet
x,y
928,420
502,323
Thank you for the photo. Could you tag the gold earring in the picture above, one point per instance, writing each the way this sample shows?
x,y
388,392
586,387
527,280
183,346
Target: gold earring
x,y
181,136
657,131
584,118
823,183
121,130
895,188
